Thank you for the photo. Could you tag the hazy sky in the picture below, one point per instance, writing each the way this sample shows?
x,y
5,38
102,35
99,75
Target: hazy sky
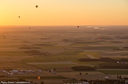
x,y
64,12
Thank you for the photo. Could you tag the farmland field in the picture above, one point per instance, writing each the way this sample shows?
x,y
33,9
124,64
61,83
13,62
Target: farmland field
x,y
44,49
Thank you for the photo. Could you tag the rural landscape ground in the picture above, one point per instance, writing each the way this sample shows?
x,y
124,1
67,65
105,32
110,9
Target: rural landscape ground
x,y
59,53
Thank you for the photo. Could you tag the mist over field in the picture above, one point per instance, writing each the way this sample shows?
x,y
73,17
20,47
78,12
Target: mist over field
x,y
69,51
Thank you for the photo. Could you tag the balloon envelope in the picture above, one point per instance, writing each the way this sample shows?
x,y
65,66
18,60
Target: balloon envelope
x,y
36,6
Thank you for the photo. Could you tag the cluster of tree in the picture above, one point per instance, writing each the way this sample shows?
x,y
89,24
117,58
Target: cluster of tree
x,y
1,76
122,48
106,81
27,47
97,48
100,59
73,40
116,42
45,38
42,82
113,66
106,38
122,37
83,68
123,60
104,59
36,52
42,45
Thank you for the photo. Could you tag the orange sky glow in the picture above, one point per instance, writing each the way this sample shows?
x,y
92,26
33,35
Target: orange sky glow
x,y
63,12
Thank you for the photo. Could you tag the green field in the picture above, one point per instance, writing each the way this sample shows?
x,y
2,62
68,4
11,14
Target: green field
x,y
12,53
42,49
116,72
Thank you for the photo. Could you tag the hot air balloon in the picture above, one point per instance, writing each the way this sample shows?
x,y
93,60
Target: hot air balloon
x,y
38,77
36,6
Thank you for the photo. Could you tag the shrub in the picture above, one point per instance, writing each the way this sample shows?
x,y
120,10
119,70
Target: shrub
x,y
83,68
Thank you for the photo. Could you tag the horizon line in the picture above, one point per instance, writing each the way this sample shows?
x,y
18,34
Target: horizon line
x,y
62,25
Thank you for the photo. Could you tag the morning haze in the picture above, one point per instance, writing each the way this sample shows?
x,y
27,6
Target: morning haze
x,y
64,42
